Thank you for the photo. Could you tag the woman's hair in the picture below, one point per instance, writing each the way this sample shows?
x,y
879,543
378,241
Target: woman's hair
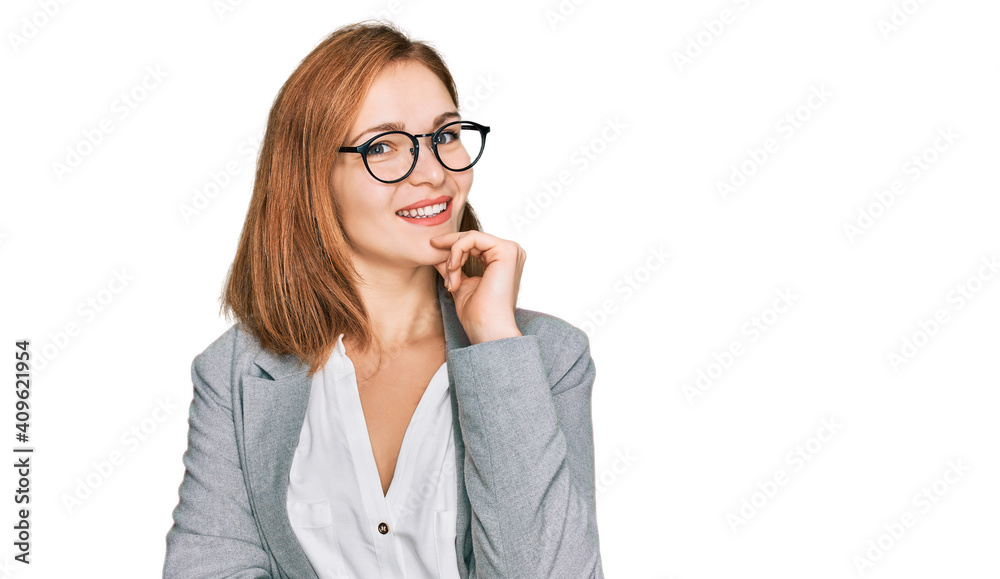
x,y
292,283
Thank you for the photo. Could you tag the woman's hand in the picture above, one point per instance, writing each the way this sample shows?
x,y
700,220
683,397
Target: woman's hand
x,y
485,305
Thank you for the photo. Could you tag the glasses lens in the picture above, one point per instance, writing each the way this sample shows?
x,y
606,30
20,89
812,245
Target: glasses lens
x,y
459,146
390,156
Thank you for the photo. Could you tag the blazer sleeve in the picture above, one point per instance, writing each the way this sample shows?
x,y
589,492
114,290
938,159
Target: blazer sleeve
x,y
214,533
529,455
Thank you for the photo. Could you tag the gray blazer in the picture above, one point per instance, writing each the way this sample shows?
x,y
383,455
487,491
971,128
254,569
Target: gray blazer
x,y
523,445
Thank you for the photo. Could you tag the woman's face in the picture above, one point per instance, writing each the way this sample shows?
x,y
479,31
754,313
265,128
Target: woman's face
x,y
411,97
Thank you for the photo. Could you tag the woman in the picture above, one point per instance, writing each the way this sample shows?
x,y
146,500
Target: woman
x,y
381,408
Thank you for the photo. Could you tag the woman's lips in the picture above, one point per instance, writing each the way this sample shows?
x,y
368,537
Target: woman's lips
x,y
426,202
435,220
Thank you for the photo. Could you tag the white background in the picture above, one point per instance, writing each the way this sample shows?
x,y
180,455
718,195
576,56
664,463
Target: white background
x,y
673,463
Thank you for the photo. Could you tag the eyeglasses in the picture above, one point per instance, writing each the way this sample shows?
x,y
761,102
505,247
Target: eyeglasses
x,y
391,157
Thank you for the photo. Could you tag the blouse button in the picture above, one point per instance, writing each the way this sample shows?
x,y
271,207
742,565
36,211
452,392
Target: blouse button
x,y
383,528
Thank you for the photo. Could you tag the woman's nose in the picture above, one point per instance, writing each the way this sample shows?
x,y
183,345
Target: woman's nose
x,y
428,169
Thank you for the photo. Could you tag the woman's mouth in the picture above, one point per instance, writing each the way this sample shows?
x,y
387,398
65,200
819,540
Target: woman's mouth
x,y
427,215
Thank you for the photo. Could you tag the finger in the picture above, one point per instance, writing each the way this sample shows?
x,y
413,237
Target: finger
x,y
488,248
447,238
482,245
442,269
457,276
452,278
447,242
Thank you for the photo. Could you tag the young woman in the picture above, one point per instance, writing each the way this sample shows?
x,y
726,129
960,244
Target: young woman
x,y
381,408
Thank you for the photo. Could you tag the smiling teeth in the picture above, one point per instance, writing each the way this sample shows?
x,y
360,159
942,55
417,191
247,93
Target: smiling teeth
x,y
422,212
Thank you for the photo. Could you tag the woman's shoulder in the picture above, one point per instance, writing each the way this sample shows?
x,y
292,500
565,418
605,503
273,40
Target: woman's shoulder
x,y
228,345
232,352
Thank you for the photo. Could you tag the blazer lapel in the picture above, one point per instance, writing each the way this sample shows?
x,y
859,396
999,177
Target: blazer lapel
x,y
273,410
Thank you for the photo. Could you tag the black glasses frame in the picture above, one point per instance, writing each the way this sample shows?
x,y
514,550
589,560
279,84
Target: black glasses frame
x,y
415,151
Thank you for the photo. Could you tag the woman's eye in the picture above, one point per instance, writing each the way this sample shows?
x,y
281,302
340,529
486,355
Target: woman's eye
x,y
377,149
447,137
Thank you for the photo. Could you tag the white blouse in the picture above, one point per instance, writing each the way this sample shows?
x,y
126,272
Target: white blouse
x,y
346,526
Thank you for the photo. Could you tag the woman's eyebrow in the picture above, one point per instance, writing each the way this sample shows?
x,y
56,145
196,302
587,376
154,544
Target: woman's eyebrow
x,y
445,116
393,126
397,126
